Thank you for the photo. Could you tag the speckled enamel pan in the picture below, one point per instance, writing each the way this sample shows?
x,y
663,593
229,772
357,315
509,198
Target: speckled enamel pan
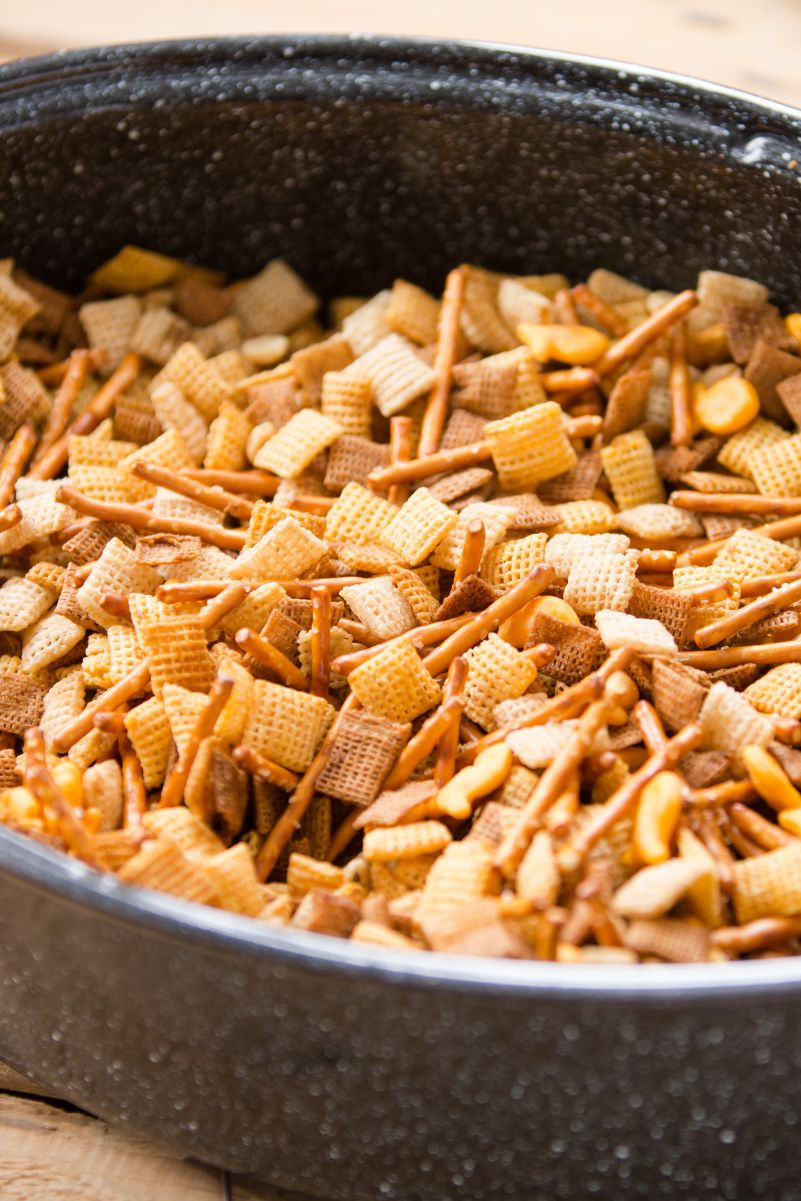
x,y
337,1070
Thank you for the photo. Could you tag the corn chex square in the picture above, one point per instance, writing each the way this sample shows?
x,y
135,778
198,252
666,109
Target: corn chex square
x,y
601,582
496,672
286,725
496,520
631,469
778,691
530,446
394,683
298,443
285,552
418,526
643,634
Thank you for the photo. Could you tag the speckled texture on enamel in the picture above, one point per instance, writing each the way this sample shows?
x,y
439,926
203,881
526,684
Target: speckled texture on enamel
x,y
341,1071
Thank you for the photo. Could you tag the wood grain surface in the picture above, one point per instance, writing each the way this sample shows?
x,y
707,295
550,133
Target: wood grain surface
x,y
52,1152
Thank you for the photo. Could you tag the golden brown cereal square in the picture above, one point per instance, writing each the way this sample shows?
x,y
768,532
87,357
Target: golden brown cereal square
x,y
747,324
417,527
362,753
394,684
530,446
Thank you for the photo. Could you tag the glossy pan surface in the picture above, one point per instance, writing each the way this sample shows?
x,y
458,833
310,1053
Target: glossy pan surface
x,y
337,1070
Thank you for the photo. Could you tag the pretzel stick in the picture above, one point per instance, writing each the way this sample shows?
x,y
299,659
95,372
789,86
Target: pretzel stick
x,y
111,723
78,367
140,519
721,794
444,359
358,632
400,451
656,560
174,785
48,794
732,502
760,935
734,837
583,427
177,591
53,374
599,309
81,574
259,765
787,729
134,792
445,766
558,708
300,800
10,516
646,332
734,656
649,723
96,411
431,731
15,456
116,604
442,460
213,498
787,527
569,381
344,834
708,831
626,797
420,636
680,390
552,783
485,622
706,594
765,834
472,551
759,585
264,652
320,505
215,610
334,584
254,483
320,642
135,681
774,602
564,310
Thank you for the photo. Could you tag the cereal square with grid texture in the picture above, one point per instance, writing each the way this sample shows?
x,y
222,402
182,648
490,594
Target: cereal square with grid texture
x,y
23,395
659,523
347,399
585,517
42,515
178,653
645,635
49,640
674,609
776,469
283,553
379,605
286,725
64,701
396,373
630,467
312,363
367,325
748,555
577,484
363,751
22,602
275,301
601,582
462,428
117,570
298,443
421,600
695,576
496,672
151,736
563,550
487,387
509,562
175,412
158,333
778,691
495,519
124,652
21,703
413,313
768,885
679,692
418,527
730,722
352,458
395,684
579,649
759,435
227,438
530,446
198,379
109,326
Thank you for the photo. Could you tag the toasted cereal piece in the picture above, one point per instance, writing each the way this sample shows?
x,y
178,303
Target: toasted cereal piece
x,y
363,751
414,591
530,446
768,885
459,876
255,609
220,343
659,523
394,683
161,865
687,578
347,400
158,333
94,746
405,842
489,387
627,403
232,874
228,435
353,458
168,450
748,555
342,643
768,367
358,515
124,651
380,606
42,515
199,380
777,691
149,730
729,722
518,304
64,701
102,790
96,662
776,469
326,913
275,301
417,527
396,373
672,608
630,467
304,874
22,602
49,640
737,451
177,653
298,443
462,428
563,550
284,552
645,635
109,326
16,307
748,324
117,570
133,269
509,562
313,363
495,519
601,582
23,396
579,649
585,517
21,703
366,325
175,412
536,746
674,941
286,725
265,515
496,672
480,319
184,830
654,890
470,595
674,462
413,313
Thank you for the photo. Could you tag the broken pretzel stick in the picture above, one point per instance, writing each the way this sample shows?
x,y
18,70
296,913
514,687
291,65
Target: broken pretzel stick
x,y
650,725
140,519
320,642
599,309
212,498
680,390
321,505
763,934
774,602
656,560
445,766
252,483
270,656
135,681
647,331
472,551
10,516
626,797
400,451
134,793
259,765
759,585
731,502
116,604
53,374
215,610
96,411
569,381
78,366
447,341
359,632
470,455
48,794
721,794
764,833
173,790
15,456
423,742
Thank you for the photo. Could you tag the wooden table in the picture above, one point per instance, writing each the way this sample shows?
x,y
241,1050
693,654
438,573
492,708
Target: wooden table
x,y
53,1152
